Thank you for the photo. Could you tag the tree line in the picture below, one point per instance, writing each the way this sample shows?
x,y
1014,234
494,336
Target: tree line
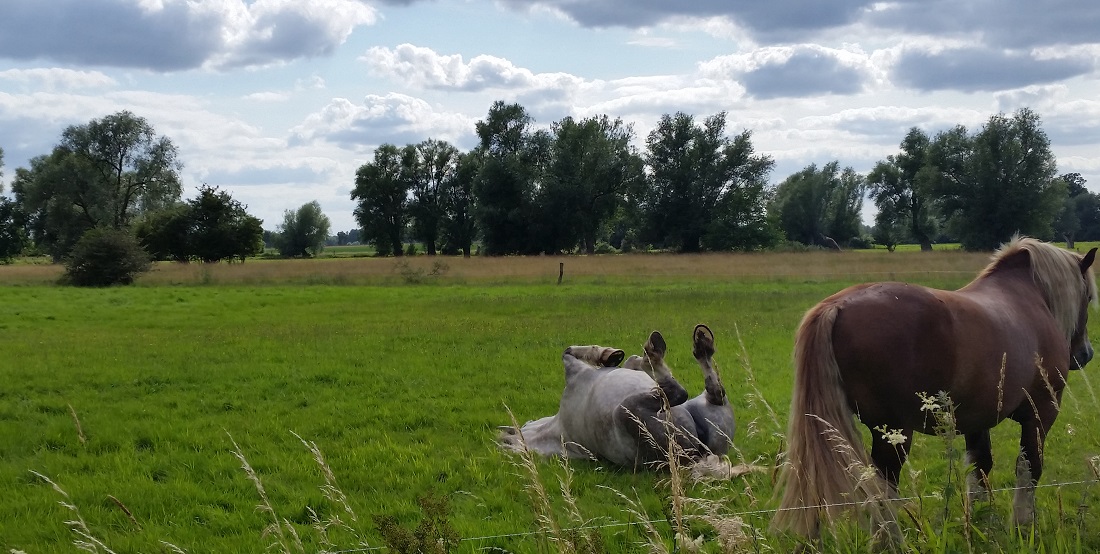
x,y
580,185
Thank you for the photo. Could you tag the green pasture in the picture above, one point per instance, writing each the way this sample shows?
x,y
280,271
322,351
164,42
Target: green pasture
x,y
129,399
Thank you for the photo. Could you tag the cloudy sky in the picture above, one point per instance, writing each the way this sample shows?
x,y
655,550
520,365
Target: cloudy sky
x,y
280,101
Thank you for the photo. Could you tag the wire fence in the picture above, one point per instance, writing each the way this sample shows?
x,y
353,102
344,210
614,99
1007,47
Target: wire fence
x,y
741,514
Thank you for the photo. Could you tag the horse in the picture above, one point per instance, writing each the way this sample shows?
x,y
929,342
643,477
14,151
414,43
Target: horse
x,y
633,415
999,347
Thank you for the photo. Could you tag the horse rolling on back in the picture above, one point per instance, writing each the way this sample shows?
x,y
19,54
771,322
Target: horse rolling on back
x,y
1000,347
633,415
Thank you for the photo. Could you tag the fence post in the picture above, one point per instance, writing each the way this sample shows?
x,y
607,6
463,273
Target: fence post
x,y
561,271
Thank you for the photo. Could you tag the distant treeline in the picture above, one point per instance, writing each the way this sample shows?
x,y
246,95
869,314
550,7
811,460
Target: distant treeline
x,y
579,186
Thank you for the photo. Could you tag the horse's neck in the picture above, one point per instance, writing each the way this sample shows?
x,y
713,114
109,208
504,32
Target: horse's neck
x,y
1013,281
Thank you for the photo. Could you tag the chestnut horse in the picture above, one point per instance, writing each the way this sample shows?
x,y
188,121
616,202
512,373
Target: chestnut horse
x,y
1000,347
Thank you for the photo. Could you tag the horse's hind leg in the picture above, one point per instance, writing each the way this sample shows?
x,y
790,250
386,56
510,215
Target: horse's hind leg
x,y
979,453
654,360
703,350
1029,467
889,457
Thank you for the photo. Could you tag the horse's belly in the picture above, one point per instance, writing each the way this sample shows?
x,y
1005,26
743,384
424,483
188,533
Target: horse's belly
x,y
588,413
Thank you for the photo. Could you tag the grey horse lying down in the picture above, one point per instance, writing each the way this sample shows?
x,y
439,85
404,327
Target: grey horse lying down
x,y
620,414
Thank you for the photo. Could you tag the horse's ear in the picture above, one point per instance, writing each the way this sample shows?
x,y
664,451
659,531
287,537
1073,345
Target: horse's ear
x,y
1086,262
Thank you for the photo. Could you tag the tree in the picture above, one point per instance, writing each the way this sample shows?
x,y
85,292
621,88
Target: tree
x,y
12,236
106,173
105,256
511,169
381,191
210,227
165,234
303,231
900,188
820,207
222,229
459,226
998,182
1079,217
436,165
591,167
701,182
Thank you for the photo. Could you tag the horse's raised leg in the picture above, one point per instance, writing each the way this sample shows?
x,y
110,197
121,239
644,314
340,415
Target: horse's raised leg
x,y
655,349
651,424
979,453
703,350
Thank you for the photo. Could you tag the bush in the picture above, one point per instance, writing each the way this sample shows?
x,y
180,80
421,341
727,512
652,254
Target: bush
x,y
105,257
603,247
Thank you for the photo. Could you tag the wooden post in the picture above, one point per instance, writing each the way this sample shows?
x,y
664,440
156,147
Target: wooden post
x,y
561,271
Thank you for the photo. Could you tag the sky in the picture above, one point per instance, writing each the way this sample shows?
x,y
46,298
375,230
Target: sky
x,y
280,101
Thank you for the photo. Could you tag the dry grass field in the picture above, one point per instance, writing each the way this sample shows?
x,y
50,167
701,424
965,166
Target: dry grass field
x,y
854,265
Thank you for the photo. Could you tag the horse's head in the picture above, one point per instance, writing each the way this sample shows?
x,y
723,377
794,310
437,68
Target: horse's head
x,y
1080,346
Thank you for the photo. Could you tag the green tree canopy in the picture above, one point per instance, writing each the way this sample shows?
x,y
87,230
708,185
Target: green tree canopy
x,y
511,171
816,205
435,165
221,227
900,187
303,231
211,227
459,225
12,235
591,167
381,194
1079,218
105,256
701,182
105,173
997,182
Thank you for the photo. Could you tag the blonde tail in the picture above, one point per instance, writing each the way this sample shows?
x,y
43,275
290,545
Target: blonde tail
x,y
827,470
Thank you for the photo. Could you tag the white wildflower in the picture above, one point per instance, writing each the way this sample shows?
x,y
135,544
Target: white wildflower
x,y
928,403
893,436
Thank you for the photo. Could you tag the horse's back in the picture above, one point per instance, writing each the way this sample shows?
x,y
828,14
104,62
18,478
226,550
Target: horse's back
x,y
895,340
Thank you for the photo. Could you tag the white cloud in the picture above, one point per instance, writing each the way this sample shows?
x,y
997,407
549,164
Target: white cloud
x,y
424,68
172,35
392,118
268,96
56,78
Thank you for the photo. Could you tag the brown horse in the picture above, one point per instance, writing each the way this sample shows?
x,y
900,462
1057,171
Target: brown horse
x,y
1000,347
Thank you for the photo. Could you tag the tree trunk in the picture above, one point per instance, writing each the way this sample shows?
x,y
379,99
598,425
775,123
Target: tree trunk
x,y
925,246
1069,240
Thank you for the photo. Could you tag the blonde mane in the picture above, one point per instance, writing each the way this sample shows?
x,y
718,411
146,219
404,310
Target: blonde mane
x,y
1058,274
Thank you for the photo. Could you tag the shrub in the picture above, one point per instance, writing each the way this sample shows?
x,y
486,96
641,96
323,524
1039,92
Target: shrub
x,y
603,247
105,257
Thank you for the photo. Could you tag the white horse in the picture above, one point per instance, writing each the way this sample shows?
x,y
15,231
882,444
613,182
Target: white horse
x,y
631,415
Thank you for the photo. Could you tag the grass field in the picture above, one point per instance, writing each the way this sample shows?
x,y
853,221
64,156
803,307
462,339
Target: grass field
x,y
130,399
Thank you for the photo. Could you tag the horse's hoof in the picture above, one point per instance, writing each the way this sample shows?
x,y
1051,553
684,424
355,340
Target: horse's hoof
x,y
703,343
613,358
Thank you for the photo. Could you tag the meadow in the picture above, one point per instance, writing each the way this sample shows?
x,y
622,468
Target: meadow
x,y
141,403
